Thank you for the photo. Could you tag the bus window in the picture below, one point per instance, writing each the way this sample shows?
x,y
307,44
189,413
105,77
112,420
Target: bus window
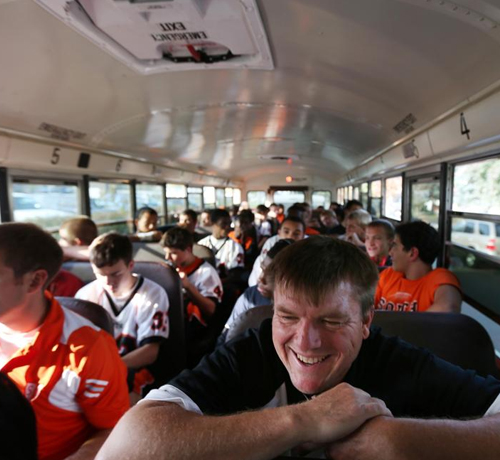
x,y
472,182
229,197
288,197
482,236
356,193
340,196
424,204
111,206
393,195
176,201
47,205
236,196
209,197
195,198
363,196
151,195
256,197
350,192
321,198
375,198
220,199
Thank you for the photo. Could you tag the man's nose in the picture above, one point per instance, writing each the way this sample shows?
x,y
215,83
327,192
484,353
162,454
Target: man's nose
x,y
309,336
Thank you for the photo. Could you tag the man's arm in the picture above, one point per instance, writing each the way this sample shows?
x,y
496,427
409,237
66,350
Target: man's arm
x,y
206,305
91,446
163,430
447,299
142,356
411,439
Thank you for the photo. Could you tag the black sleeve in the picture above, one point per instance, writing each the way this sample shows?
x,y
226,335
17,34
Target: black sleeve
x,y
414,382
240,375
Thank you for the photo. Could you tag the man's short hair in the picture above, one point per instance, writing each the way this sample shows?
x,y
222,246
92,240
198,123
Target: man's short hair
x,y
218,214
297,220
278,247
351,203
385,225
109,249
145,210
245,216
312,268
327,212
82,228
262,209
177,238
422,236
27,247
362,217
193,215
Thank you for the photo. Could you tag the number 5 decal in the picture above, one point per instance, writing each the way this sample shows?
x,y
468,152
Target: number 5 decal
x,y
56,156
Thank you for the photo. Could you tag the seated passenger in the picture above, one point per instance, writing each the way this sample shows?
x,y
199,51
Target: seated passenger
x,y
206,222
330,224
228,254
264,223
307,216
138,306
188,219
245,234
411,284
379,236
76,235
201,283
291,227
355,225
146,223
316,376
262,292
65,366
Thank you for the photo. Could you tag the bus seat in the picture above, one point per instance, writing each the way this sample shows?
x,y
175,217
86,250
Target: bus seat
x,y
173,350
204,253
148,252
457,338
90,311
249,319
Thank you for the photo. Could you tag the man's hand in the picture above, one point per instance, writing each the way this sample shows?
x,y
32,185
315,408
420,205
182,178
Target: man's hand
x,y
184,279
338,412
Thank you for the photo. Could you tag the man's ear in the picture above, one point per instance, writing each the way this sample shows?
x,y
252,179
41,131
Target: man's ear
x,y
367,321
414,253
131,265
38,280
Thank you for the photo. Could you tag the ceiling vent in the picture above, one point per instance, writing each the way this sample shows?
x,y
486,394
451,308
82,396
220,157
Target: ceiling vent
x,y
167,35
286,158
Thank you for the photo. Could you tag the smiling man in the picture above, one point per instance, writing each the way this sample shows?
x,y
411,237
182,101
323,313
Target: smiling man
x,y
316,376
138,306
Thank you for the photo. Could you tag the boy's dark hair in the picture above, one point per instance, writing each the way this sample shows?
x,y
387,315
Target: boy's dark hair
x,y
27,247
294,219
262,209
146,210
352,203
177,238
422,236
312,268
109,249
246,216
297,210
190,213
385,225
218,214
278,247
82,228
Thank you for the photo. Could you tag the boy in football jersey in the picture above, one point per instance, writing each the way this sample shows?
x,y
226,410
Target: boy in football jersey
x,y
138,306
201,283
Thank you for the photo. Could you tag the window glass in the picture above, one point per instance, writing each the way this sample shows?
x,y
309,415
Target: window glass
x,y
321,198
256,197
229,197
209,197
472,182
194,190
151,195
356,193
363,196
176,201
425,201
375,198
475,234
393,197
195,201
236,196
47,205
288,197
220,198
340,196
110,202
350,192
176,191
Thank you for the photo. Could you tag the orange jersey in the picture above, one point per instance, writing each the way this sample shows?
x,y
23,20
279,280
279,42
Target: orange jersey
x,y
73,377
394,292
245,241
310,231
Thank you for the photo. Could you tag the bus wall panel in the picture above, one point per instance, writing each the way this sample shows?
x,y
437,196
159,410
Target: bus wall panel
x,y
4,149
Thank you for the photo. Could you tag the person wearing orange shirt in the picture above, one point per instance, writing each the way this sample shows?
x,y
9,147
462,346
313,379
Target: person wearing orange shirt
x,y
411,284
67,367
379,236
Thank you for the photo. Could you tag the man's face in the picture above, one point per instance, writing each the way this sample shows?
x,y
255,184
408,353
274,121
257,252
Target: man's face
x,y
147,222
187,222
349,211
377,243
400,256
222,227
13,290
293,230
262,285
205,219
178,257
328,220
353,227
318,343
117,279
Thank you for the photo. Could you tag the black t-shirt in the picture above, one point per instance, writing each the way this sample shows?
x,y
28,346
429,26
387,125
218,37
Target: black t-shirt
x,y
246,372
